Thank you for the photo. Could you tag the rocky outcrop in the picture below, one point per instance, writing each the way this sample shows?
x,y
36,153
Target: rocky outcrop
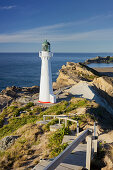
x,y
99,59
72,73
6,142
17,94
4,101
104,84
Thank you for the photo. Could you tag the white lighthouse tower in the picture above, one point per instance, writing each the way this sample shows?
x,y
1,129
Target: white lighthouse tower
x,y
46,91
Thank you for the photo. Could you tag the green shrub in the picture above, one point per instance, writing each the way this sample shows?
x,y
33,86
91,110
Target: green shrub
x,y
56,151
28,105
36,110
56,139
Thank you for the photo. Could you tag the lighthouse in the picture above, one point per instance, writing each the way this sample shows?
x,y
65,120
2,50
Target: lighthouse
x,y
46,91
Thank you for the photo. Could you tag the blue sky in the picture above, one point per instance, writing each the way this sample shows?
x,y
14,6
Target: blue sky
x,y
70,25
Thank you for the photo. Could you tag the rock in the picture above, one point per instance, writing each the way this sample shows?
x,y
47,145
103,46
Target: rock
x,y
105,84
4,101
6,142
11,91
99,59
24,99
19,94
72,73
33,89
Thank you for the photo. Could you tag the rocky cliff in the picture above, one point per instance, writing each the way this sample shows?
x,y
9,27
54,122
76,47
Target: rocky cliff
x,y
72,73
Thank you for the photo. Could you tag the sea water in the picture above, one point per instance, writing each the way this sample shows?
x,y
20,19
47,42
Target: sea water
x,y
23,69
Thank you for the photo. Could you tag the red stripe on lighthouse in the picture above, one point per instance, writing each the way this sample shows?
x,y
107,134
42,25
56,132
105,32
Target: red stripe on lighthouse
x,y
43,102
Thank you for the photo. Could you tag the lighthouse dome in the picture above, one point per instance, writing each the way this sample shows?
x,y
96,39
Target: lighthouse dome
x,y
46,46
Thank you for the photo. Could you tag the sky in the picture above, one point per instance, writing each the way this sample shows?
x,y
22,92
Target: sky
x,y
69,25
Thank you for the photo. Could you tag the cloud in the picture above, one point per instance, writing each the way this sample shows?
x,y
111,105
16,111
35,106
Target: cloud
x,y
7,7
38,35
58,33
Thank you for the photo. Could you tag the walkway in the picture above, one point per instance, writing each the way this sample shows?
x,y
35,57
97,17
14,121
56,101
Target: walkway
x,y
74,161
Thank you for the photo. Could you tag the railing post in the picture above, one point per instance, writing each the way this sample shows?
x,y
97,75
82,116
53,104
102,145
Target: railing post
x,y
54,117
77,128
95,137
44,119
59,121
88,153
65,122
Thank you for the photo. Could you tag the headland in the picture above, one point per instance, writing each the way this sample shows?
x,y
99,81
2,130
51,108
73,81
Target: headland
x,y
82,92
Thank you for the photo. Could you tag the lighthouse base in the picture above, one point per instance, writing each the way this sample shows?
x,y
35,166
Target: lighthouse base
x,y
52,99
43,102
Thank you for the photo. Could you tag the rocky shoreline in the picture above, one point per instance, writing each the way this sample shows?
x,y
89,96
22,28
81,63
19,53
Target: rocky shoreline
x,y
98,59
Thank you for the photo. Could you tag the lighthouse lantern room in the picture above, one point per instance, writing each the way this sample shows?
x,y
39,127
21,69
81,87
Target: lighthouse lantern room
x,y
46,91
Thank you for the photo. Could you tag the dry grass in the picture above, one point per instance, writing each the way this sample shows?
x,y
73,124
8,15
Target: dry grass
x,y
22,150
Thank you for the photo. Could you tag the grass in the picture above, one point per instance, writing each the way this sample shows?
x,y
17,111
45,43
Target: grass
x,y
64,107
56,109
16,123
28,135
55,141
74,104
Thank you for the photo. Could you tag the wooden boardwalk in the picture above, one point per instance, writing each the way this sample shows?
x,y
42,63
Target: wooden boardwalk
x,y
77,155
74,161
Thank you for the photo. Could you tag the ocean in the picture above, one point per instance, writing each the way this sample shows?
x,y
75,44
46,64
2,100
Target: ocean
x,y
23,69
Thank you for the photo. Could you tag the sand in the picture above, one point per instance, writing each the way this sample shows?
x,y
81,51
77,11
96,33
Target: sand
x,y
108,71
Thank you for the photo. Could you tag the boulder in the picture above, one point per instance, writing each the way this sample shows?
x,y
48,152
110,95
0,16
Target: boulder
x,y
6,142
4,101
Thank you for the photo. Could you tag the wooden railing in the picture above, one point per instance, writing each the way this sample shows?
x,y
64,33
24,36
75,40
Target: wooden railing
x,y
90,137
63,117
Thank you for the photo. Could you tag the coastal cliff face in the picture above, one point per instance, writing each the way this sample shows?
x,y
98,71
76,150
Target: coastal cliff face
x,y
72,73
105,84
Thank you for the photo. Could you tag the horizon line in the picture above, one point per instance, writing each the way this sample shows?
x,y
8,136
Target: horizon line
x,y
53,52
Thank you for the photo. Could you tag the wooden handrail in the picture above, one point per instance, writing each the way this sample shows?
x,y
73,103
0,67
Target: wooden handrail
x,y
63,117
67,151
87,133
